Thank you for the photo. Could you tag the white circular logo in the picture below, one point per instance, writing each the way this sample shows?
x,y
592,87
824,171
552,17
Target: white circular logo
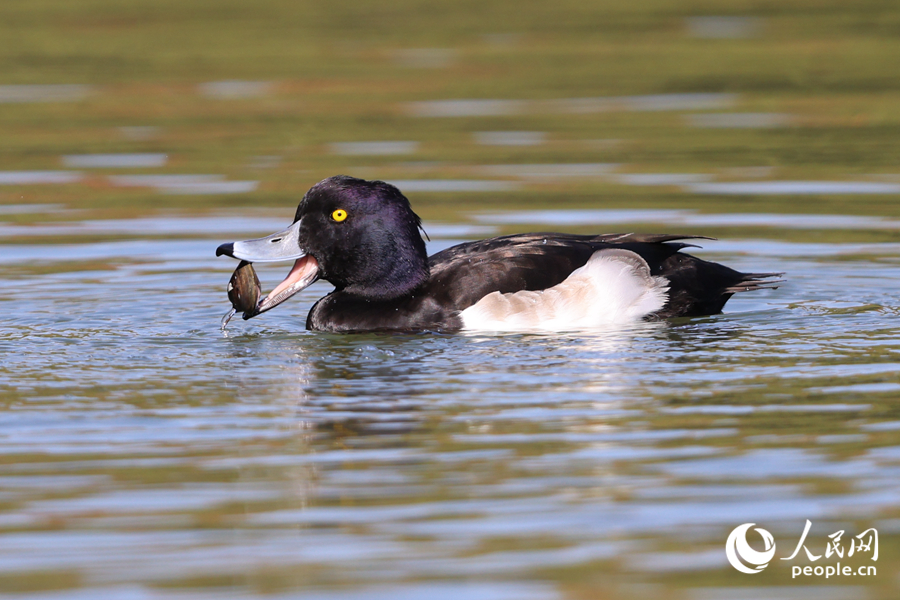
x,y
739,551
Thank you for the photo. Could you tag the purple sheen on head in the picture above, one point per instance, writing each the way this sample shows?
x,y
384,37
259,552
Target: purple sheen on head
x,y
378,196
377,252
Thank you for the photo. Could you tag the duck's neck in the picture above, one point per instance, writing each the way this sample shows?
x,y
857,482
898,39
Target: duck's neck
x,y
405,272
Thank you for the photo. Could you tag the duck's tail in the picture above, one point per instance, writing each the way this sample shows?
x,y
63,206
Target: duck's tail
x,y
698,287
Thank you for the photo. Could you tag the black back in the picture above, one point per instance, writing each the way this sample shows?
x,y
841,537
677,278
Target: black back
x,y
460,276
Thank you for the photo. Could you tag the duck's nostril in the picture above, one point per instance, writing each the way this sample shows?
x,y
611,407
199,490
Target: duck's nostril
x,y
275,241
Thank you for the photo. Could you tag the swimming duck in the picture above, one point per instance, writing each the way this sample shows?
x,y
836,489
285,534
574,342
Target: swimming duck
x,y
363,237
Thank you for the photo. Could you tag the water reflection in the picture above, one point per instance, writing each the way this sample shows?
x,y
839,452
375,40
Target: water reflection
x,y
29,93
168,453
647,103
739,120
115,161
39,177
452,185
721,27
373,148
550,171
235,89
510,138
608,217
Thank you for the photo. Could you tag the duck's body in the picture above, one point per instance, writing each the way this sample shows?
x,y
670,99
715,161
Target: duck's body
x,y
363,237
472,276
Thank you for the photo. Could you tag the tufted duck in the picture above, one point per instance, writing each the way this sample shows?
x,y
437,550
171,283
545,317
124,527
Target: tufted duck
x,y
363,237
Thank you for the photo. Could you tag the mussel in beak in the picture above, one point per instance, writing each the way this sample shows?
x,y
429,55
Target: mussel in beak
x,y
243,292
283,245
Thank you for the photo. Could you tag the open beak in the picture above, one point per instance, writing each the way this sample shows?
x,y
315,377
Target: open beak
x,y
281,246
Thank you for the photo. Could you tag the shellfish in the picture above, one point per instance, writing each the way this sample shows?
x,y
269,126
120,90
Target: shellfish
x,y
243,292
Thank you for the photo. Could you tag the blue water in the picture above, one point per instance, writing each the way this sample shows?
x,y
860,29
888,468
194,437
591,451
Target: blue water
x,y
144,453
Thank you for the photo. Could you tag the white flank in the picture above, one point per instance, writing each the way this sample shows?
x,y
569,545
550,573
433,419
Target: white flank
x,y
614,287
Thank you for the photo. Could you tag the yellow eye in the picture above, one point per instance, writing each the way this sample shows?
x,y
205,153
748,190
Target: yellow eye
x,y
339,215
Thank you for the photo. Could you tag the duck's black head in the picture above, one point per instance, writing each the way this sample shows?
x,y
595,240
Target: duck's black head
x,y
361,236
365,237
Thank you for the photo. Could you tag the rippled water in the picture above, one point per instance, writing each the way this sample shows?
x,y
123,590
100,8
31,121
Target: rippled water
x,y
145,454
